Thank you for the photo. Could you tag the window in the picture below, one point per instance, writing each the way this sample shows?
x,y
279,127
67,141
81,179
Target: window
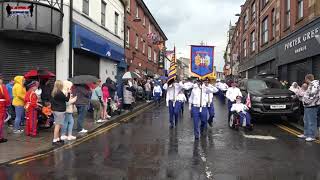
x,y
288,13
128,6
149,27
245,48
103,13
300,9
85,6
144,21
246,20
116,19
137,42
144,47
253,11
155,56
149,53
273,23
128,37
265,31
137,11
253,41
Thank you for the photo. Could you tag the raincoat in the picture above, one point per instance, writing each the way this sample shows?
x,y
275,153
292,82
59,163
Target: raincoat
x,y
18,91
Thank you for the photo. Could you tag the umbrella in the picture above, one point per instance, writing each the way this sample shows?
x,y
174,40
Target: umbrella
x,y
130,75
83,79
39,74
163,77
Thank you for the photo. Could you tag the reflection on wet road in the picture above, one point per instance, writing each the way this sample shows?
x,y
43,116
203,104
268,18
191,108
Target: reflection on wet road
x,y
145,148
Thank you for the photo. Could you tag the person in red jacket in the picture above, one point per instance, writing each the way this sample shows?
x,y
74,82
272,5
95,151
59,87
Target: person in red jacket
x,y
4,103
31,100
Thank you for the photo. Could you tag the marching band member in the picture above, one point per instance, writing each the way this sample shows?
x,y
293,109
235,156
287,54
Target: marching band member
x,y
198,104
232,93
4,103
211,103
172,89
222,87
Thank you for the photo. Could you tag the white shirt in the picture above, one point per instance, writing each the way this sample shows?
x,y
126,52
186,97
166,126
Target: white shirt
x,y
222,86
188,85
197,99
233,93
172,91
212,90
181,97
157,89
239,107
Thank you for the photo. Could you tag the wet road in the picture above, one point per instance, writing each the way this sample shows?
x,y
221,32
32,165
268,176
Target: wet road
x,y
145,148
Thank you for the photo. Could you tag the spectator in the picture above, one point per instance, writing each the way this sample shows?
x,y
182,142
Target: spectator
x,y
31,107
4,102
105,98
47,88
66,132
9,87
157,93
83,94
128,98
59,101
302,91
96,101
147,88
311,106
294,88
111,87
18,93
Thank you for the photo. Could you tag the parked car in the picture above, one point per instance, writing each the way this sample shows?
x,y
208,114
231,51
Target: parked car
x,y
268,99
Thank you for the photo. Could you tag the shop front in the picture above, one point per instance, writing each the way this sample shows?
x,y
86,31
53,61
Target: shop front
x,y
29,34
96,55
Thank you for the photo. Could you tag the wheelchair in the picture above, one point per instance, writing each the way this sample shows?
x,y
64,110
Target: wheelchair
x,y
235,122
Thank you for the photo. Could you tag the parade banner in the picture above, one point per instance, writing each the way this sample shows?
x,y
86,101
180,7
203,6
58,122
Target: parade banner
x,y
202,60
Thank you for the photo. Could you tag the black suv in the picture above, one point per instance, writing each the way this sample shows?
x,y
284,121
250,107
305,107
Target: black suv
x,y
269,99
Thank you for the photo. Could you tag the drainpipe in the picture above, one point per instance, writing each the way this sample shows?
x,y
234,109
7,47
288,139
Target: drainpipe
x,y
71,64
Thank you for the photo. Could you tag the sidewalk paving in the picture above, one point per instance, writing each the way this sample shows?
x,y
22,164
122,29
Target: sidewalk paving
x,y
20,145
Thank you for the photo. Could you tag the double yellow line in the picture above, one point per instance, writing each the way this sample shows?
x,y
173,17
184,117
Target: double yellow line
x,y
292,131
69,146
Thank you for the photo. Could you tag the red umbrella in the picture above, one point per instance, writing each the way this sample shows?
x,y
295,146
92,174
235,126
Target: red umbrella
x,y
39,74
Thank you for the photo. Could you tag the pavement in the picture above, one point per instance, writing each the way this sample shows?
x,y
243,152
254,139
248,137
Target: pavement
x,y
142,146
20,145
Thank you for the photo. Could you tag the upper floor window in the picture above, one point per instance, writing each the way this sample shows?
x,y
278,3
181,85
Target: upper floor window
x,y
155,56
144,21
265,31
128,6
137,11
253,41
264,2
300,9
116,22
253,11
144,47
246,20
103,13
128,37
245,48
288,13
274,23
137,42
149,53
85,6
149,27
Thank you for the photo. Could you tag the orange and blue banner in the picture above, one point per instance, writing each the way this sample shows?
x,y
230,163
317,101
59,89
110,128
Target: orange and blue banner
x,y
202,60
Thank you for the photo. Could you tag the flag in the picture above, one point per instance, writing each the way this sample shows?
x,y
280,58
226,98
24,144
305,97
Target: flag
x,y
173,67
248,101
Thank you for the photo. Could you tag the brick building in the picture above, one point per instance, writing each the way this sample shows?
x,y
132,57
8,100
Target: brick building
x,y
279,36
143,35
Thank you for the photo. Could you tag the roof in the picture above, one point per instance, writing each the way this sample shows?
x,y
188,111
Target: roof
x,y
145,8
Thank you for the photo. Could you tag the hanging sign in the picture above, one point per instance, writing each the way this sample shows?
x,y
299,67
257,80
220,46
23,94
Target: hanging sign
x,y
19,10
202,60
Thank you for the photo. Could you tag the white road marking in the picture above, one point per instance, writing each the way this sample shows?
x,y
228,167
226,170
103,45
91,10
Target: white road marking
x,y
259,137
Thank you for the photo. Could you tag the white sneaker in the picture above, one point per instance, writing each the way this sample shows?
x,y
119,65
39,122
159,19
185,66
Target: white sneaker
x,y
302,136
100,121
309,139
83,131
63,138
108,116
70,138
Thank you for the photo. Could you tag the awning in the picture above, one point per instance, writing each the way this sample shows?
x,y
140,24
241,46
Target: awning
x,y
90,41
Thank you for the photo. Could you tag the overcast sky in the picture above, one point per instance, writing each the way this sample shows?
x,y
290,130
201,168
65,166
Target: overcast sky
x,y
187,22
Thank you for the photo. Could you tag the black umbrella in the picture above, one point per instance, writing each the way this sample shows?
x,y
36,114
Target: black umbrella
x,y
83,79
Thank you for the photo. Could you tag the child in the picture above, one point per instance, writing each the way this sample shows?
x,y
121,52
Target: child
x,y
47,111
178,106
242,110
31,106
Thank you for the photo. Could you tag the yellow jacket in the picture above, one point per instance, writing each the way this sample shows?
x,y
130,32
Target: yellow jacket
x,y
18,91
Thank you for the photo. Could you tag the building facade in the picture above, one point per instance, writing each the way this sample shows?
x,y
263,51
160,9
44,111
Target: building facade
x,y
278,36
183,68
82,37
145,40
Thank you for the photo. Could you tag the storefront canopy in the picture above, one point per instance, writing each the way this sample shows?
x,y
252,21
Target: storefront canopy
x,y
90,41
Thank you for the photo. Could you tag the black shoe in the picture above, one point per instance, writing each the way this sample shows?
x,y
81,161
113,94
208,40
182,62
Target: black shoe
x,y
171,126
210,124
3,140
196,138
61,142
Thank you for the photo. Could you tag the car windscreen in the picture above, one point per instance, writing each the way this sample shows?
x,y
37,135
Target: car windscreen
x,y
257,84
